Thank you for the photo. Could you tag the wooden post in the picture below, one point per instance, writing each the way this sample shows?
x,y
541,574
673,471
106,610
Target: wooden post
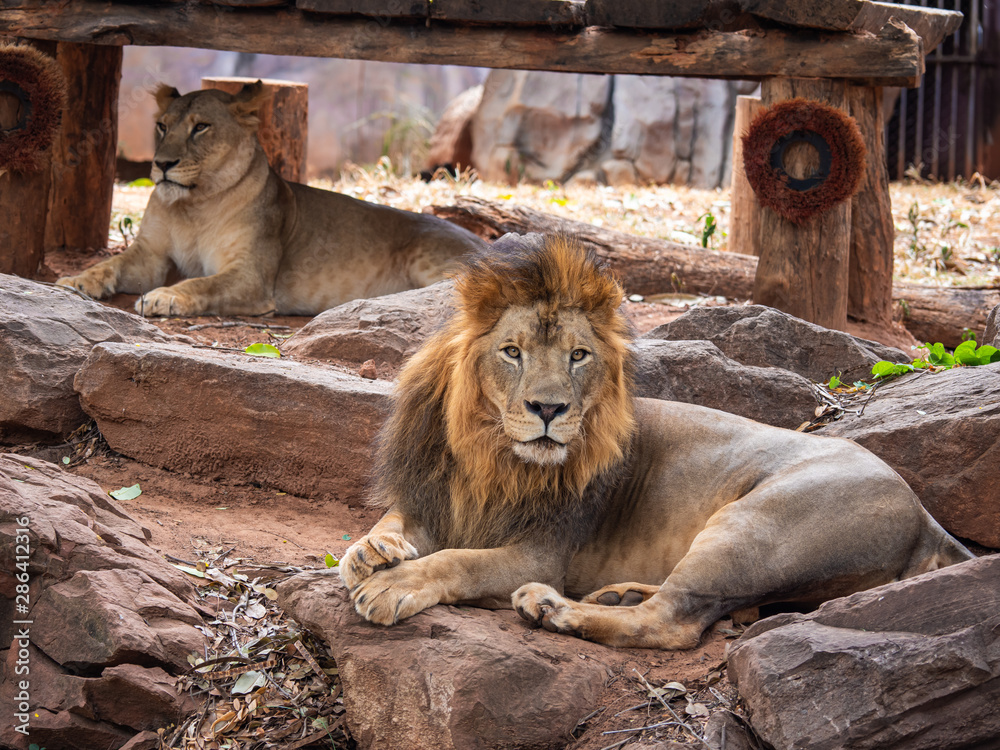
x,y
284,122
869,291
744,210
24,199
803,270
83,156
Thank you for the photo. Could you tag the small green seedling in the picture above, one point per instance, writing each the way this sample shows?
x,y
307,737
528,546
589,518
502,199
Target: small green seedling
x,y
263,350
331,561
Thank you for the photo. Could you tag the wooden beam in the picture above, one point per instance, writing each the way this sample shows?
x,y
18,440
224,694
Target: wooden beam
x,y
872,58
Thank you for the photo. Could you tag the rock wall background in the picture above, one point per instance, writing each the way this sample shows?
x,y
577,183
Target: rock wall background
x,y
527,125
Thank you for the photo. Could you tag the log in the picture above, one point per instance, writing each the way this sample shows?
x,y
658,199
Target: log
x,y
284,122
644,265
803,269
83,157
869,288
890,58
651,266
744,224
24,200
933,315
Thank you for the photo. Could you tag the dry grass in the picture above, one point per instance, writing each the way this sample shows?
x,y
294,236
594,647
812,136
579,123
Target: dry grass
x,y
946,234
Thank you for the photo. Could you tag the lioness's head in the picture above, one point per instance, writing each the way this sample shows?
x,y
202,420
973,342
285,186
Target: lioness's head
x,y
544,368
205,140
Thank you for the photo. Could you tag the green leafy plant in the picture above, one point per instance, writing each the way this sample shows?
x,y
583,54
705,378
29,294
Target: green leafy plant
x,y
938,358
709,227
331,561
834,383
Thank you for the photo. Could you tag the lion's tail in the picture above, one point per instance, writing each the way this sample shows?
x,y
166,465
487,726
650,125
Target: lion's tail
x,y
936,549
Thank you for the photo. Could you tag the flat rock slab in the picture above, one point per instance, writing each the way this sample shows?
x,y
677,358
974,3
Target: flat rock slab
x,y
697,372
385,329
45,335
449,678
913,664
941,432
765,337
295,427
110,621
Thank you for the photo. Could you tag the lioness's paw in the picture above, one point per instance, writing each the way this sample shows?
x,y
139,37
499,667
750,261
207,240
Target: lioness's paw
x,y
164,303
543,606
392,595
373,553
621,595
96,283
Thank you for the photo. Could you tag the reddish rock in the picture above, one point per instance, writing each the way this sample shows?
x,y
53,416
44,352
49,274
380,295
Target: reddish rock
x,y
696,372
913,664
45,335
448,678
941,433
765,337
384,329
295,427
104,609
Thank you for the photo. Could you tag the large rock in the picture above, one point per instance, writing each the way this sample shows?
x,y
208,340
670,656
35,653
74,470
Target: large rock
x,y
991,335
941,432
448,678
45,335
109,621
913,665
384,329
674,129
300,428
451,142
696,372
539,125
765,337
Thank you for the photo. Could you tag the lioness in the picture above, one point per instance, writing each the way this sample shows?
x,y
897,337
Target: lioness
x,y
250,242
517,462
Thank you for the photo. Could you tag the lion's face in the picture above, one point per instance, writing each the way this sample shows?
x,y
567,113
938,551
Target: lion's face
x,y
542,370
205,142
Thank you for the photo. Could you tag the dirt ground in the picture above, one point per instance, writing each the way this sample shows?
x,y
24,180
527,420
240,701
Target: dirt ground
x,y
190,517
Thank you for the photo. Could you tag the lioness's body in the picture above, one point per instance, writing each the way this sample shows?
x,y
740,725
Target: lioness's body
x,y
517,468
250,242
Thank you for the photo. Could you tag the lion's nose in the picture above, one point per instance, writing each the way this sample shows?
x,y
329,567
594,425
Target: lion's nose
x,y
166,166
547,412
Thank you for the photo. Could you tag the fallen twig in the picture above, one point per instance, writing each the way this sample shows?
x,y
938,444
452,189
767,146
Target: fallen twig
x,y
236,324
672,712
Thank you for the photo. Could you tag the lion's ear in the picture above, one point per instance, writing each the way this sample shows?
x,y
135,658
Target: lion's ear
x,y
247,102
165,96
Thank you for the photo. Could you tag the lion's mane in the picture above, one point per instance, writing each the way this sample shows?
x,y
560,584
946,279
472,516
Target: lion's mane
x,y
443,457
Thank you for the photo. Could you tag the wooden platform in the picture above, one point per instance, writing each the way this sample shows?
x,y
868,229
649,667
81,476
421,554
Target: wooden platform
x,y
839,51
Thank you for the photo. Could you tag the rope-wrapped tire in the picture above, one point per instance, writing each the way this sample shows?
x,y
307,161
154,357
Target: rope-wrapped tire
x,y
837,140
36,81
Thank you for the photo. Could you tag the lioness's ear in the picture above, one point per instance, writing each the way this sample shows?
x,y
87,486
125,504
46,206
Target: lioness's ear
x,y
247,102
165,95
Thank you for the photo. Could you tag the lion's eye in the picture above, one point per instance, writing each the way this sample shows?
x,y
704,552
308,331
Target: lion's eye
x,y
201,127
161,128
512,351
578,355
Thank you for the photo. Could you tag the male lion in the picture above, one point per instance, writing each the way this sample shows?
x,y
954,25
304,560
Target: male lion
x,y
517,462
250,242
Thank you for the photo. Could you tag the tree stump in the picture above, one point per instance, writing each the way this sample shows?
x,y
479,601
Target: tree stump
x,y
24,199
284,122
83,157
803,269
744,223
869,290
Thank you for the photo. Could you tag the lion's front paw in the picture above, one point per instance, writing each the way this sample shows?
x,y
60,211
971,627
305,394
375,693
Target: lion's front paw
x,y
543,606
392,595
373,553
95,282
166,302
